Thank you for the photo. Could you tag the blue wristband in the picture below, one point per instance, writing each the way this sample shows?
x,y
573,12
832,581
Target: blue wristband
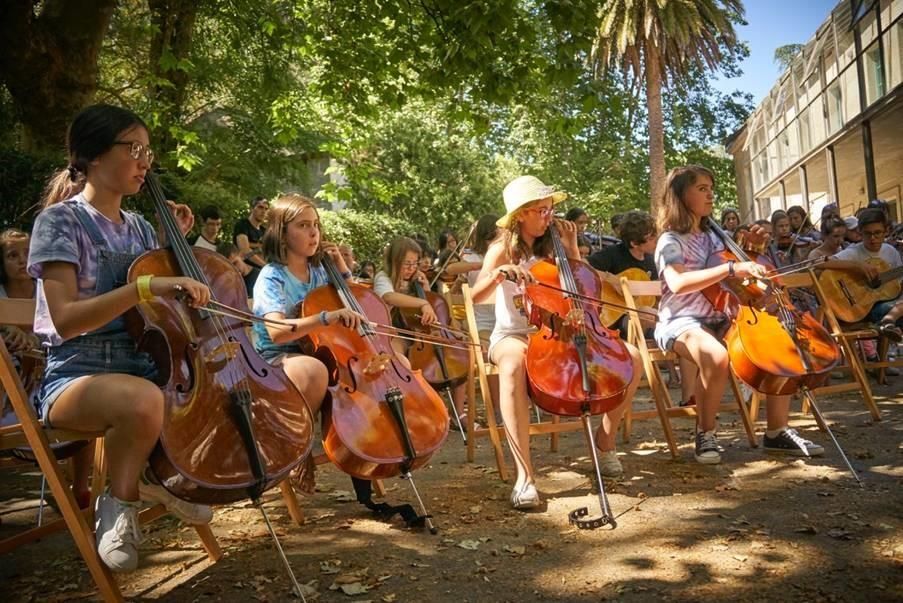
x,y
324,320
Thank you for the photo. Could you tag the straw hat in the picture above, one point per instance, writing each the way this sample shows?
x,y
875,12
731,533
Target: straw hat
x,y
521,191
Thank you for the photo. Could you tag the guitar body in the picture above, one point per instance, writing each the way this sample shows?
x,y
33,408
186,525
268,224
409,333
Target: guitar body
x,y
609,315
852,297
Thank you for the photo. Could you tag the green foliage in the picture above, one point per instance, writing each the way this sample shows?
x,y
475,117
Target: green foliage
x,y
784,55
22,178
368,233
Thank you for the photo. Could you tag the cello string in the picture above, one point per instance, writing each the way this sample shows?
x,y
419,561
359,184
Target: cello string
x,y
188,263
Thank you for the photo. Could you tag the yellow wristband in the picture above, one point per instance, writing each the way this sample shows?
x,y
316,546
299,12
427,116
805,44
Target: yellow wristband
x,y
144,291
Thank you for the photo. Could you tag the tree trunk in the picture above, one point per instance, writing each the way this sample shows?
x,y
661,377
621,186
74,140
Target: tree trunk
x,y
173,22
656,128
48,62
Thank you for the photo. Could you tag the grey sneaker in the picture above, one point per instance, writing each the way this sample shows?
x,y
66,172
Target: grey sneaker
x,y
117,533
791,442
609,464
707,448
188,512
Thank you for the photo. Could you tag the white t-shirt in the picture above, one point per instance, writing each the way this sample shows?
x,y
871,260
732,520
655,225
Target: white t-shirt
x,y
484,311
204,243
510,311
382,284
858,253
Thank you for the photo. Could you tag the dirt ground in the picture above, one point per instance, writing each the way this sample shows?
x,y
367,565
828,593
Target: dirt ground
x,y
754,528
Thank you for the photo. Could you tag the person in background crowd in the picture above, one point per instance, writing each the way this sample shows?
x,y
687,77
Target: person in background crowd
x,y
248,272
348,255
730,219
616,221
211,223
249,231
366,271
833,231
851,236
800,225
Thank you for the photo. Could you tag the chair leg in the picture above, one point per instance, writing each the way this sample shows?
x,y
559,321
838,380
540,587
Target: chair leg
x,y
494,437
291,502
471,411
860,376
744,412
553,437
661,399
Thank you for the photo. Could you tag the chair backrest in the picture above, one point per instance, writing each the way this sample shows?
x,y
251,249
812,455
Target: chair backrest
x,y
17,312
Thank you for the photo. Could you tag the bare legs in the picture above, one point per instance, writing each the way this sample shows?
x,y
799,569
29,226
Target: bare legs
x,y
509,356
129,410
709,355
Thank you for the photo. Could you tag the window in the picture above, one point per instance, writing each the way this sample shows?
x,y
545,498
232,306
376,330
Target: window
x,y
868,28
817,131
774,158
805,135
829,59
850,83
893,54
789,146
834,101
874,74
846,45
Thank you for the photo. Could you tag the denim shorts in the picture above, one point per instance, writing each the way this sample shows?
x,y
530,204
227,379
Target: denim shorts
x,y
666,333
880,310
90,355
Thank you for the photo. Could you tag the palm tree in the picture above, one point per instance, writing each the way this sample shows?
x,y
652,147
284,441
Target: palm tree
x,y
662,39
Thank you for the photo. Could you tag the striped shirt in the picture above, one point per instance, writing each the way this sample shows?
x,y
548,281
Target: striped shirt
x,y
692,250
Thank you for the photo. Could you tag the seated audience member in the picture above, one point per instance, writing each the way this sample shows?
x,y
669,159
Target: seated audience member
x,y
248,272
211,223
249,231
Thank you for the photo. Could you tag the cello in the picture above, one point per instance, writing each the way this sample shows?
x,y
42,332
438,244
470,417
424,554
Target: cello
x,y
575,365
774,348
384,419
443,367
233,425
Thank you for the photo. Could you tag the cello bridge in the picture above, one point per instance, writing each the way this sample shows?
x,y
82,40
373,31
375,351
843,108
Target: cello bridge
x,y
575,318
377,364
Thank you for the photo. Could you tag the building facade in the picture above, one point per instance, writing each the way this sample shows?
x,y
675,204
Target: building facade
x,y
831,129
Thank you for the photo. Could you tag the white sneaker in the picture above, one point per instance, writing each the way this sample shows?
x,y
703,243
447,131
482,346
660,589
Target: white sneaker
x,y
117,533
609,464
525,497
188,512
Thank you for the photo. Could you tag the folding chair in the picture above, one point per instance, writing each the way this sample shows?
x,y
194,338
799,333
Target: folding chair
x,y
651,356
484,368
30,432
846,337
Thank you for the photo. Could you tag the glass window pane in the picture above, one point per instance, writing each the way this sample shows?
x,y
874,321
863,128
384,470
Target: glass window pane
x,y
834,101
817,132
868,28
896,9
893,54
874,77
829,59
805,136
850,83
790,148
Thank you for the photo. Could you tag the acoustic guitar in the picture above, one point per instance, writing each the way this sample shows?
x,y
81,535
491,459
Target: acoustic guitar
x,y
851,296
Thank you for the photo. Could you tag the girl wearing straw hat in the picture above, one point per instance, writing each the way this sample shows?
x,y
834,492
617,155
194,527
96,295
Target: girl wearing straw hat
x,y
524,240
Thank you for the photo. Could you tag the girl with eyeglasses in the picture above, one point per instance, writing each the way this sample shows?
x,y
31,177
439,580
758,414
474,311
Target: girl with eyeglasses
x,y
82,245
525,239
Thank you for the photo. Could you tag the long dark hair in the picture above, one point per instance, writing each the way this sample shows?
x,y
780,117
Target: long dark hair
x,y
672,211
91,134
485,233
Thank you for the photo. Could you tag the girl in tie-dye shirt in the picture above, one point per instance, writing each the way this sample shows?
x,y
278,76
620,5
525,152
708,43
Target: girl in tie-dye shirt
x,y
689,325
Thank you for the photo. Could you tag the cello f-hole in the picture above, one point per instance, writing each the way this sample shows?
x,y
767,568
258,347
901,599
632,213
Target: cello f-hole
x,y
348,367
263,372
405,378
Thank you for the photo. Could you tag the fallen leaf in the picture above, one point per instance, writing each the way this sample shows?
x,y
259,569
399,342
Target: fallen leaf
x,y
470,545
806,530
840,534
355,588
515,551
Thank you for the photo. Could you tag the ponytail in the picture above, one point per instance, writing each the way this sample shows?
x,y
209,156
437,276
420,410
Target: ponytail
x,y
63,185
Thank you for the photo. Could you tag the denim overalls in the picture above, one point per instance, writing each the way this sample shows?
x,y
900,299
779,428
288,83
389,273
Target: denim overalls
x,y
109,349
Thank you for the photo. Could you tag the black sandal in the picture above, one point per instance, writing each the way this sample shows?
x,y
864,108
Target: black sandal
x,y
891,331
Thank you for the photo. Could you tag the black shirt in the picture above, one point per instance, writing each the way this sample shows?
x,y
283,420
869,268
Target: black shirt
x,y
617,258
244,227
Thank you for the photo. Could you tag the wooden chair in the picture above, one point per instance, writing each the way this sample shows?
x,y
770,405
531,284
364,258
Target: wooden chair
x,y
651,356
484,369
30,432
846,337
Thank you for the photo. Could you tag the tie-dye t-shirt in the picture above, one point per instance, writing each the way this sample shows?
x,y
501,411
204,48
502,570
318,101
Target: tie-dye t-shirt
x,y
278,290
692,250
58,236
